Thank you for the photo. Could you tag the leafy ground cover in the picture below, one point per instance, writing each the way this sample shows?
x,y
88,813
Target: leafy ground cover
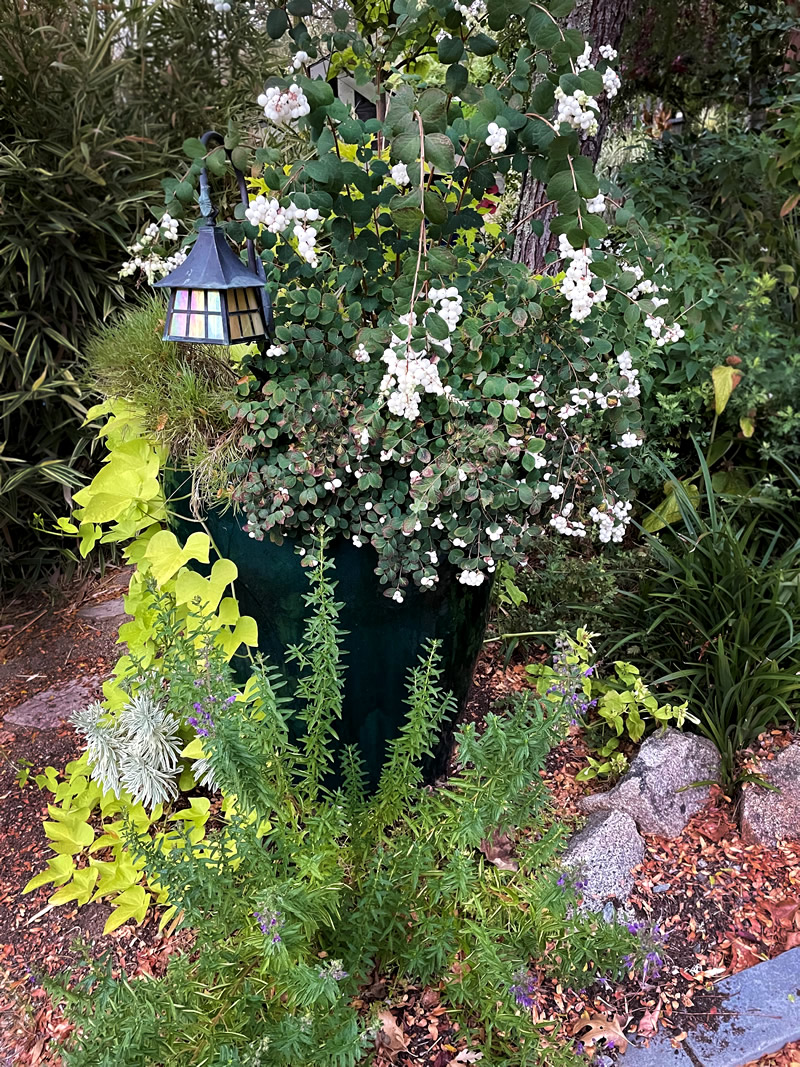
x,y
725,904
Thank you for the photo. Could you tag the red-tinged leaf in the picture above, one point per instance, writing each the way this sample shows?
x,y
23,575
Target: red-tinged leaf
x,y
781,911
742,956
789,205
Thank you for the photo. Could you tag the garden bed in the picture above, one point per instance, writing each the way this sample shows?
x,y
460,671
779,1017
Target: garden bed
x,y
726,905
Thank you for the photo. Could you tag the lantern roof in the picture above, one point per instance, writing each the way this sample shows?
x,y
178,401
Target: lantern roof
x,y
211,264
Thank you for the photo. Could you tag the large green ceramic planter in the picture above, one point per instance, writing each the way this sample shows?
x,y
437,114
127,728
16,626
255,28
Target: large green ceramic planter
x,y
383,641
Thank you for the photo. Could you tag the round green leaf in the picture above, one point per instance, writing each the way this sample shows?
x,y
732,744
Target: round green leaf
x,y
277,23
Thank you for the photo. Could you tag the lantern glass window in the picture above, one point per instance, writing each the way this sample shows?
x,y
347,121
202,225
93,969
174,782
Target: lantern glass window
x,y
196,315
245,317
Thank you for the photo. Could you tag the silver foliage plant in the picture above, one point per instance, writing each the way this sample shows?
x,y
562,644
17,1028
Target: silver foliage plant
x,y
137,751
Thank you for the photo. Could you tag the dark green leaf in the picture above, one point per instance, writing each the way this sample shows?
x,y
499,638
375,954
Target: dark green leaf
x,y
456,78
432,108
435,207
482,45
439,151
194,148
405,147
277,23
450,50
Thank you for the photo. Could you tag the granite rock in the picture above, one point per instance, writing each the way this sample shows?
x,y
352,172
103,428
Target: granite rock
x,y
768,816
658,791
602,857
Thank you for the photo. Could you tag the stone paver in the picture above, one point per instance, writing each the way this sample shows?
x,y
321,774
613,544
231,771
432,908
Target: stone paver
x,y
109,609
52,707
760,1014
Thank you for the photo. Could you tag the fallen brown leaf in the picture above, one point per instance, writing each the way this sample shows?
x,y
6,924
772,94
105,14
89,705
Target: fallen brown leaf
x,y
602,1030
390,1037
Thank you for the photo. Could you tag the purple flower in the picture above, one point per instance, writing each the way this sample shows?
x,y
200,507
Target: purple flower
x,y
562,880
588,672
269,923
634,928
198,707
524,988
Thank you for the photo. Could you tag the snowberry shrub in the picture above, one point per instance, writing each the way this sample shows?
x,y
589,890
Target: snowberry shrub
x,y
423,394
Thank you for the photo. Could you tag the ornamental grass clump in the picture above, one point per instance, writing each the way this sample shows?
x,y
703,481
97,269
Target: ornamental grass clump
x,y
422,394
302,889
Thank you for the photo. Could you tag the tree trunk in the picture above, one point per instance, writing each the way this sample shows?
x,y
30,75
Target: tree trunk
x,y
602,21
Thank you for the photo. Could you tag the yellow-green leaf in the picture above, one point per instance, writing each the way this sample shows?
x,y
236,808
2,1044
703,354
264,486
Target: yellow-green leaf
x,y
132,904
725,380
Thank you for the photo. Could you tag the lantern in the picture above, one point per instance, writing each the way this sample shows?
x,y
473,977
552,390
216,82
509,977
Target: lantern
x,y
214,298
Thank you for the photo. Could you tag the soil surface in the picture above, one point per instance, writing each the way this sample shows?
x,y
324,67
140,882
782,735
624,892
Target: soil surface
x,y
724,905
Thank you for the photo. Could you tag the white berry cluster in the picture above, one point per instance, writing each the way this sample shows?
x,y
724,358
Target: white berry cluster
x,y
611,83
629,440
473,11
472,577
627,370
400,174
361,355
153,265
307,243
298,60
284,106
576,285
222,7
608,53
663,334
612,520
448,305
596,205
406,374
273,217
578,109
497,138
567,527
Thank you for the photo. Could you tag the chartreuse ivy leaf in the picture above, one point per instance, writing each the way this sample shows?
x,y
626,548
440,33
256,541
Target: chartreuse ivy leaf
x,y
59,870
725,379
164,555
245,632
79,889
132,904
117,875
69,832
201,593
669,511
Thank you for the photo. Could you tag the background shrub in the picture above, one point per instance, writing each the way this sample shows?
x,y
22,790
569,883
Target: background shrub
x,y
95,102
